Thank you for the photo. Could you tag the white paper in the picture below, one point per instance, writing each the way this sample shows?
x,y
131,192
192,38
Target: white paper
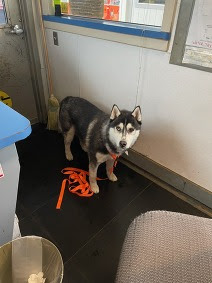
x,y
198,56
1,172
200,31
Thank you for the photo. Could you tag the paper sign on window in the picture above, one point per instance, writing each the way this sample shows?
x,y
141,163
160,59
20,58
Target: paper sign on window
x,y
1,172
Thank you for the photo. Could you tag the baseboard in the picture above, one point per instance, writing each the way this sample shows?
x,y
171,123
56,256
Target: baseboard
x,y
171,178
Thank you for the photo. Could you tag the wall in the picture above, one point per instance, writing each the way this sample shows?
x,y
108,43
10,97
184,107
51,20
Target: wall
x,y
176,101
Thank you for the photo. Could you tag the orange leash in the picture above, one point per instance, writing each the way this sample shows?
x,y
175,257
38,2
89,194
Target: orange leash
x,y
77,182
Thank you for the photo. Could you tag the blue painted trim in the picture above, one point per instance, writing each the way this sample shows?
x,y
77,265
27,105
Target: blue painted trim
x,y
119,27
14,127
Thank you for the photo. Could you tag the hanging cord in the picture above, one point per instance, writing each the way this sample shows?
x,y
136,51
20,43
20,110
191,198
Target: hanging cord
x,y
141,57
139,74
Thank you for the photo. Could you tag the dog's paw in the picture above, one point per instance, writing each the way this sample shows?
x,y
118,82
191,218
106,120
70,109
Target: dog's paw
x,y
112,177
95,188
69,156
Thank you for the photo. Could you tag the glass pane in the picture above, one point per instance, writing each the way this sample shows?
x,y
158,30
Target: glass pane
x,y
147,12
2,13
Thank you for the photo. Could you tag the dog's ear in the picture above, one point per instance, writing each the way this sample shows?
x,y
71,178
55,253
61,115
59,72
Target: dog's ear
x,y
115,112
137,113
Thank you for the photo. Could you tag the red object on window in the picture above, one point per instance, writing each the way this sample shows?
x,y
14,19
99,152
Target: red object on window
x,y
111,12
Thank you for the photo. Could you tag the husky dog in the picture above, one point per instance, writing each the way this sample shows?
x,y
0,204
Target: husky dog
x,y
101,136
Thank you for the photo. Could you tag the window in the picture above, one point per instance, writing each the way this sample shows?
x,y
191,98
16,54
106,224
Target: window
x,y
135,22
147,12
2,13
152,1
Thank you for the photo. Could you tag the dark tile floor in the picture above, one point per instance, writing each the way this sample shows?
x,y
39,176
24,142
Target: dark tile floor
x,y
88,231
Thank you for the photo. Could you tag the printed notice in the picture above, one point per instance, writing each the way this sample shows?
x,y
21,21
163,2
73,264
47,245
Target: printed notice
x,y
200,31
198,49
1,172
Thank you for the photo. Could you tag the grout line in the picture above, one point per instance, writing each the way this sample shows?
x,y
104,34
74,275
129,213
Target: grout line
x,y
49,236
42,205
108,223
203,208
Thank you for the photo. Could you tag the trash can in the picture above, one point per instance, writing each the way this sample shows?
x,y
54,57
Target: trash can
x,y
30,255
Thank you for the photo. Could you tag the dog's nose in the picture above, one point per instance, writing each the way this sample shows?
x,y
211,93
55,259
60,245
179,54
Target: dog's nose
x,y
123,144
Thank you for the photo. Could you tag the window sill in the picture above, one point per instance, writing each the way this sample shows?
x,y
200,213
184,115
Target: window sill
x,y
4,26
119,27
139,35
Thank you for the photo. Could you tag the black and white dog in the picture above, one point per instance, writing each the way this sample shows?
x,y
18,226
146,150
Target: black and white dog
x,y
100,135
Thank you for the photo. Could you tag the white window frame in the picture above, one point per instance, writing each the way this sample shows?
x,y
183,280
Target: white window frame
x,y
148,5
8,23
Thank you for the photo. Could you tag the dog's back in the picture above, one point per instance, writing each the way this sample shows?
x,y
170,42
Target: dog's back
x,y
80,113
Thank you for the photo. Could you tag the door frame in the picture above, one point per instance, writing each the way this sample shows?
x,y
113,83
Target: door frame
x,y
36,60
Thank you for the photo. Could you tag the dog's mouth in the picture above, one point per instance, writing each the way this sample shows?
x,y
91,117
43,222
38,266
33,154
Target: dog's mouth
x,y
122,149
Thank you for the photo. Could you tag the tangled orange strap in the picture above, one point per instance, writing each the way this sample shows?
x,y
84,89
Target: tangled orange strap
x,y
77,182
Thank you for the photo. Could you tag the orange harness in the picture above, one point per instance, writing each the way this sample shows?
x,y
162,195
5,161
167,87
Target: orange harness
x,y
77,182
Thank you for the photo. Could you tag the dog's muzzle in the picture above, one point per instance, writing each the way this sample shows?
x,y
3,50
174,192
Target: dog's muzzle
x,y
123,144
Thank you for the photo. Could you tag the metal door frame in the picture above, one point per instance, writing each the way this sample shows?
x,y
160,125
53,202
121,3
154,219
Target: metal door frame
x,y
27,17
38,81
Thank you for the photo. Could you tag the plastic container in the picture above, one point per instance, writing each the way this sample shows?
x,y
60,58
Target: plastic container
x,y
30,255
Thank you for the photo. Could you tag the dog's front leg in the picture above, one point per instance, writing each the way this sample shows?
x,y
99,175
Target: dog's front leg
x,y
109,168
93,166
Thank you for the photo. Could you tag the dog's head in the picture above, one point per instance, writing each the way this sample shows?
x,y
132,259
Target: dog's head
x,y
124,128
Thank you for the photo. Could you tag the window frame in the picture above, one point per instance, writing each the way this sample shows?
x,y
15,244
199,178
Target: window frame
x,y
181,33
7,17
147,5
115,35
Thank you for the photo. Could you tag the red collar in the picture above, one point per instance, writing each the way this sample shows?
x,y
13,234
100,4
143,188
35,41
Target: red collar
x,y
114,156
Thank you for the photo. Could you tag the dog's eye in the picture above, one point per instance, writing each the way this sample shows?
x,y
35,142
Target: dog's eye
x,y
118,128
131,130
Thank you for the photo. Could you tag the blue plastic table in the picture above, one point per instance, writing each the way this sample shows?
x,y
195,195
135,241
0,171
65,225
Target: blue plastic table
x,y
13,127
